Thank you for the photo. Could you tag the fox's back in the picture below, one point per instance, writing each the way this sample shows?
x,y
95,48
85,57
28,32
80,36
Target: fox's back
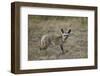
x,y
48,39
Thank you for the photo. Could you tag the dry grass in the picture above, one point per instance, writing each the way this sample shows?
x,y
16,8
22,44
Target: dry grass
x,y
75,46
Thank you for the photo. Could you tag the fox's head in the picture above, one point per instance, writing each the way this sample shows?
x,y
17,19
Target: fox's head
x,y
65,34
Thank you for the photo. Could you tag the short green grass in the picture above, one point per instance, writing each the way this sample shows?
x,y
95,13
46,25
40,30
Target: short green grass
x,y
75,46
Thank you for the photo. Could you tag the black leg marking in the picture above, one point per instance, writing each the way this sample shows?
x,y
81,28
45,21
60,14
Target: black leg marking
x,y
61,46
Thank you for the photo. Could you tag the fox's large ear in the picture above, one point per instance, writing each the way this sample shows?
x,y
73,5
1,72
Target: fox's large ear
x,y
62,30
69,30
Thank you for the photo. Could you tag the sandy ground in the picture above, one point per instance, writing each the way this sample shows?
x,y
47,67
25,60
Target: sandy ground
x,y
75,46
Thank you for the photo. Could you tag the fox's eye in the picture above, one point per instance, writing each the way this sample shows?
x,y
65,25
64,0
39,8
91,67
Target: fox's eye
x,y
65,35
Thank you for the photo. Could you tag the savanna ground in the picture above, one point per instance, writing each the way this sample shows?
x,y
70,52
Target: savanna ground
x,y
75,46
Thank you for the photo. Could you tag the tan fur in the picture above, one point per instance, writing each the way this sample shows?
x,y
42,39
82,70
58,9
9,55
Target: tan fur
x,y
54,39
48,39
